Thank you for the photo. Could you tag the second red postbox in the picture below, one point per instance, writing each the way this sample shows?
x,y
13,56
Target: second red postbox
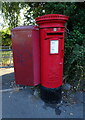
x,y
52,54
26,55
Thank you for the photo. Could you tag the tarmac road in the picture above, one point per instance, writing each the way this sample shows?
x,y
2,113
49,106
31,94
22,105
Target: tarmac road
x,y
26,103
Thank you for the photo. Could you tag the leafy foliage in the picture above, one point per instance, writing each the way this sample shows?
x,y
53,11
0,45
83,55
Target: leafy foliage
x,y
75,60
11,12
6,37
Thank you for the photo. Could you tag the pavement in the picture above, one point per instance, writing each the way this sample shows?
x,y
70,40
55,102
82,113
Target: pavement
x,y
26,103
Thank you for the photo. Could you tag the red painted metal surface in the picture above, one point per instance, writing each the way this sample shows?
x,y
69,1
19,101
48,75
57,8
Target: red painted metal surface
x,y
25,45
52,49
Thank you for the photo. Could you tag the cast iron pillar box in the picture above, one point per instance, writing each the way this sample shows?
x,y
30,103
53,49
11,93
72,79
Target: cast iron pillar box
x,y
26,55
52,54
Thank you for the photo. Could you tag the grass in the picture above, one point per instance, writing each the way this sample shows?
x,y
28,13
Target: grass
x,y
5,58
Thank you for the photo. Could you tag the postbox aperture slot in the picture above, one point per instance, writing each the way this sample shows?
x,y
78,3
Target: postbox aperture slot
x,y
54,46
54,33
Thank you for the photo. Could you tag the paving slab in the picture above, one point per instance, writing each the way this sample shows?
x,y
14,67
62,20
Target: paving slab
x,y
26,103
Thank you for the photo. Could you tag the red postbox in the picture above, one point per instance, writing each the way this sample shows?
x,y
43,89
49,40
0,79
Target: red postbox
x,y
26,54
52,54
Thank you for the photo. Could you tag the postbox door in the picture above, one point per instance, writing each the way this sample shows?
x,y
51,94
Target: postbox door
x,y
52,62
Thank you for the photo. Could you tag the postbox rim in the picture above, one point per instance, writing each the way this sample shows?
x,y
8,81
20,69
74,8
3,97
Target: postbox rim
x,y
52,17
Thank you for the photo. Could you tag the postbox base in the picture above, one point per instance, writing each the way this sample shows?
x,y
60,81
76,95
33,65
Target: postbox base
x,y
51,95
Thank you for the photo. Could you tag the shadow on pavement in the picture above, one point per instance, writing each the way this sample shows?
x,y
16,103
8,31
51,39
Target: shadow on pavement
x,y
26,103
8,81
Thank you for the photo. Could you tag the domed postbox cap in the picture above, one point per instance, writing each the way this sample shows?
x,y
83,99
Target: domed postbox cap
x,y
51,18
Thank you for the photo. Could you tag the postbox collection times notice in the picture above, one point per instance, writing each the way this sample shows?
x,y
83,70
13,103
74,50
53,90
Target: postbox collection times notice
x,y
54,46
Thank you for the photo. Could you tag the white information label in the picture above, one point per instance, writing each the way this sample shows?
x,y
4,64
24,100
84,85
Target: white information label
x,y
54,46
